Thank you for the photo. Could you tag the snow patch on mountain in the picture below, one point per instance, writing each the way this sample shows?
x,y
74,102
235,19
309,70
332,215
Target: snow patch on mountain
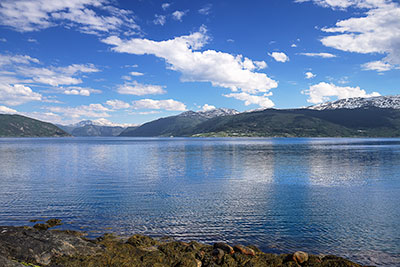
x,y
360,102
218,112
101,122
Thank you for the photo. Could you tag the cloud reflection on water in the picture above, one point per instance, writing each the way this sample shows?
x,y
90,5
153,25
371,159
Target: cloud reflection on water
x,y
321,195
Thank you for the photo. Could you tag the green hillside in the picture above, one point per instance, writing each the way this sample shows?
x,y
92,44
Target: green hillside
x,y
21,126
371,122
169,126
361,122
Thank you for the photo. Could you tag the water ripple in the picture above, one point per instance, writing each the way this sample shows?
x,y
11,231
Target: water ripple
x,y
324,196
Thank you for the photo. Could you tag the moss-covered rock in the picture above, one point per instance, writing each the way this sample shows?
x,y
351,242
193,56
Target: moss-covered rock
x,y
141,241
41,226
54,222
72,249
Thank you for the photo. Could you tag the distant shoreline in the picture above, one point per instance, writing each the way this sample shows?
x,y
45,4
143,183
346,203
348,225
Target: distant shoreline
x,y
200,137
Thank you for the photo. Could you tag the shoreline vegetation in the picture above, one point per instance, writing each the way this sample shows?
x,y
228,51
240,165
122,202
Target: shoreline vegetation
x,y
41,246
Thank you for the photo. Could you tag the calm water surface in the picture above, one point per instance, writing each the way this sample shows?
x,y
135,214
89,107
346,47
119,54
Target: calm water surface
x,y
338,196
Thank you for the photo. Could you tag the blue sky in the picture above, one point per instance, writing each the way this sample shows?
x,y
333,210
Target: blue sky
x,y
128,62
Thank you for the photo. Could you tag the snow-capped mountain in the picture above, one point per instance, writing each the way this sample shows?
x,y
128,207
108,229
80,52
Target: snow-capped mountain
x,y
360,102
81,123
218,112
99,127
100,122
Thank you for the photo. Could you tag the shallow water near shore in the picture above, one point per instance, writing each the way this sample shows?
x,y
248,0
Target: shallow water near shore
x,y
321,195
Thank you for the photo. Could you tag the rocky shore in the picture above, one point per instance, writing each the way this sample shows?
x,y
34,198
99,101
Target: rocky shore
x,y
41,246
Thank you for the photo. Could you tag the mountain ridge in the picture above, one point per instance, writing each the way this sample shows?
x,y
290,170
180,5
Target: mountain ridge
x,y
99,122
360,122
14,125
178,125
355,117
391,101
212,113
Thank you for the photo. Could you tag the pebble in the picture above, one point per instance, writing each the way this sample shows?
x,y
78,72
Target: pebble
x,y
225,247
244,250
300,257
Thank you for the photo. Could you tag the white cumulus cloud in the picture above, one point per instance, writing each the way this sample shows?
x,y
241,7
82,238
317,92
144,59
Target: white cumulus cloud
x,y
279,56
105,122
221,69
323,92
28,15
159,19
379,66
135,88
168,104
177,15
88,111
310,75
20,73
208,107
165,6
136,73
56,76
323,55
259,65
83,92
343,4
118,104
16,59
7,110
206,9
76,90
375,31
261,100
76,68
17,94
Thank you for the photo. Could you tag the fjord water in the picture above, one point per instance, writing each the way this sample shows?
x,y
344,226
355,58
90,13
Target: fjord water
x,y
330,196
